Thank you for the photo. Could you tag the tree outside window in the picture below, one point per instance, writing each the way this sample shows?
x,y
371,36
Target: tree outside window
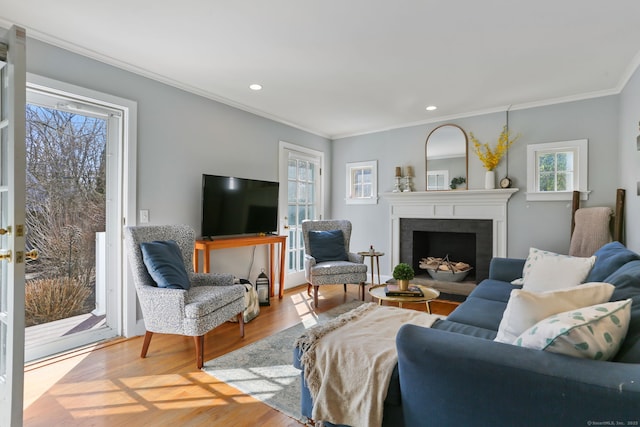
x,y
556,171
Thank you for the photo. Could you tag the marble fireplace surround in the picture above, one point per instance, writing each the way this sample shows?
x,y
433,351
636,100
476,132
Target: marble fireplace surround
x,y
454,204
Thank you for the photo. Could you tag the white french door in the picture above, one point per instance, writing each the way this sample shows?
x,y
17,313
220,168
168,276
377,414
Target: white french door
x,y
300,199
12,220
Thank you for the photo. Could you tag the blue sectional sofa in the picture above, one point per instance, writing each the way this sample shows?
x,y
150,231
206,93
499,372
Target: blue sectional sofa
x,y
454,374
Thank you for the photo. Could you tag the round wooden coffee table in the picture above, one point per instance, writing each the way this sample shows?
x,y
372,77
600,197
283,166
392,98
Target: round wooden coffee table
x,y
428,294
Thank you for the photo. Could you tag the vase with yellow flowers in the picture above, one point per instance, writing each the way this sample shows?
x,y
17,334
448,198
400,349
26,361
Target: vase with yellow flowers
x,y
490,157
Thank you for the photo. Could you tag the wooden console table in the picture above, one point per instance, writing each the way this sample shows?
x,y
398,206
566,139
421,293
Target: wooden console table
x,y
235,242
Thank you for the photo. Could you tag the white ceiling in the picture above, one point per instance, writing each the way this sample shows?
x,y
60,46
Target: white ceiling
x,y
345,67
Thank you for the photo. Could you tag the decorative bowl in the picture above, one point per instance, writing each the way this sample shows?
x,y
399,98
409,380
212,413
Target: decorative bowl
x,y
447,275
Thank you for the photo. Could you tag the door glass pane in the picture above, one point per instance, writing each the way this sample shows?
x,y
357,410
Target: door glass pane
x,y
302,213
311,172
292,215
291,243
312,191
66,206
292,191
292,167
302,192
301,259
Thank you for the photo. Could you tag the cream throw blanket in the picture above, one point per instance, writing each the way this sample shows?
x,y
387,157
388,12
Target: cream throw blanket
x,y
349,361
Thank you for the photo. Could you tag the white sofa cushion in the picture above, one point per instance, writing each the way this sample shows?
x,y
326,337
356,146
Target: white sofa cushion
x,y
526,308
546,271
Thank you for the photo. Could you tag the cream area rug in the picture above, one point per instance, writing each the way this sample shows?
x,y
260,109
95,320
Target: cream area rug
x,y
264,369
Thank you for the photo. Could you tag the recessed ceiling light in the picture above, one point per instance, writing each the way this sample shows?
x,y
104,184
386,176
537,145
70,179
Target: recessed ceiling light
x,y
255,86
431,108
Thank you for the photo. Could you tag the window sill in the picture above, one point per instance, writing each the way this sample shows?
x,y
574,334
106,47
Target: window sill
x,y
362,201
555,196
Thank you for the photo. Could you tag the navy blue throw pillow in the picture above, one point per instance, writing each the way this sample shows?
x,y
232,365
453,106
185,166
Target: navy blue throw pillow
x,y
163,260
327,246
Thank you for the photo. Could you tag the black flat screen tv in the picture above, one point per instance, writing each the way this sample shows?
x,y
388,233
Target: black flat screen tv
x,y
237,206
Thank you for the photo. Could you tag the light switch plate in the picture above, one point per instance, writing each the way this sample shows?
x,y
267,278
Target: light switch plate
x,y
144,216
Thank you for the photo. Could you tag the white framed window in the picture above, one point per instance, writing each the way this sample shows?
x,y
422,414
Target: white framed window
x,y
438,180
556,169
362,183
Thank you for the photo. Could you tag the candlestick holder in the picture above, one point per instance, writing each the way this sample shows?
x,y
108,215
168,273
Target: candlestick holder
x,y
398,186
408,184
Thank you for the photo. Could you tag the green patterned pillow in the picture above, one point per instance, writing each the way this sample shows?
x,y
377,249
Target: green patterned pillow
x,y
594,332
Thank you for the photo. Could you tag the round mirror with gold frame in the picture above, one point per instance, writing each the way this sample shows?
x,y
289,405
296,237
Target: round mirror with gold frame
x,y
446,158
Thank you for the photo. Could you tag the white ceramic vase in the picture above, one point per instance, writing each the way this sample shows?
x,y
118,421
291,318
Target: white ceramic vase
x,y
490,180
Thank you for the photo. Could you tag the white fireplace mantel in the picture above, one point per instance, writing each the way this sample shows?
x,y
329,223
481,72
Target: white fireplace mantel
x,y
454,204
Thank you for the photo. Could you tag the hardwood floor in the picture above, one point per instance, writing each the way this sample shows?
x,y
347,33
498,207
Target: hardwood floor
x,y
110,385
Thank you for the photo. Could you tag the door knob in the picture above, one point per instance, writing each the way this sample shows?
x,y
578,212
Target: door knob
x,y
5,255
20,256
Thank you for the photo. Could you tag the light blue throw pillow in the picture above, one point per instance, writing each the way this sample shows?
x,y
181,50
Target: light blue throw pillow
x,y
163,260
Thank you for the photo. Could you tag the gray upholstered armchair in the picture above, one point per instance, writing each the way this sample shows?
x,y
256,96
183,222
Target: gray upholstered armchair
x,y
327,259
208,300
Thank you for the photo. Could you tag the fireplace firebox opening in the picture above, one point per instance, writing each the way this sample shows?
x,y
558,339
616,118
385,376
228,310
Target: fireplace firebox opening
x,y
466,240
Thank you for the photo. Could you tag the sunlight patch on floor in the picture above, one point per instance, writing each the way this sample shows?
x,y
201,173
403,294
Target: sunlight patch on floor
x,y
154,381
303,307
262,382
97,399
141,393
36,385
105,411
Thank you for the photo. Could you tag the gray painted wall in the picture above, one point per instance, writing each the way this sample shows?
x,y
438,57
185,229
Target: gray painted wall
x,y
180,137
547,225
544,225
